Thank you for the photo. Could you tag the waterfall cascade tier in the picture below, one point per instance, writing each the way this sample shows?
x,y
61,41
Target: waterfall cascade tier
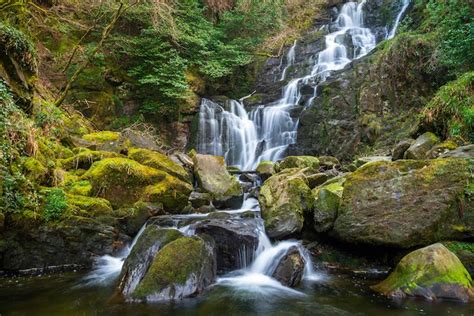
x,y
265,132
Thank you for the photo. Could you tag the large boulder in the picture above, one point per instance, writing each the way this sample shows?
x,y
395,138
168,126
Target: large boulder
x,y
213,177
299,162
432,272
171,192
421,146
407,203
284,198
399,150
141,256
236,240
327,200
266,169
290,268
182,268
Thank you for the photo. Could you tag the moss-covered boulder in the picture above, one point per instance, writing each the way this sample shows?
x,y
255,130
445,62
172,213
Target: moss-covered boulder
x,y
432,272
159,161
464,251
213,178
265,169
141,256
182,268
84,158
460,152
316,179
327,199
121,181
399,150
34,169
92,206
328,162
359,162
284,198
299,162
421,146
407,203
101,137
171,192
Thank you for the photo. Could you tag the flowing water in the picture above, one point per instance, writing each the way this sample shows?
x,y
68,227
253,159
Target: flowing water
x,y
265,132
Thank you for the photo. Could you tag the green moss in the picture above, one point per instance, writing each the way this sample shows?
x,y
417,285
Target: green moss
x,y
102,137
34,169
173,265
56,204
298,162
266,168
158,161
85,157
94,206
171,192
82,187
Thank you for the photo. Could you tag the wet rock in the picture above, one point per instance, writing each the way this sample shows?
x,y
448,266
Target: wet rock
x,y
235,238
182,268
214,178
400,149
284,198
461,152
199,199
171,192
141,256
327,200
299,162
266,169
432,273
421,146
290,269
407,203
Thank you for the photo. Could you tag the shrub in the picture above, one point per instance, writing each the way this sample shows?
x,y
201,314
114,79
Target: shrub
x,y
56,204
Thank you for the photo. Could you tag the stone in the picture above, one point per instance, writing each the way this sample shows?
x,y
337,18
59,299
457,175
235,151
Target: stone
x,y
460,152
359,162
328,162
236,240
432,273
213,178
266,169
141,256
284,198
440,149
316,179
198,199
407,203
421,146
327,200
299,162
399,151
290,269
182,268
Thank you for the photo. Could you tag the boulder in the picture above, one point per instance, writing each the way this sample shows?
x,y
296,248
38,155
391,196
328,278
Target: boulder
x,y
171,192
316,179
198,199
399,151
328,162
460,152
182,268
441,149
213,178
407,203
421,146
290,268
138,261
284,198
159,161
327,200
464,251
266,169
359,162
236,240
432,273
299,162
84,158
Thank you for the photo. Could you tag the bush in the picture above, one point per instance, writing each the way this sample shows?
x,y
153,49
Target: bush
x,y
56,204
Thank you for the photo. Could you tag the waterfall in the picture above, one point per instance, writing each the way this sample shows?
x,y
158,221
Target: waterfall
x,y
265,132
405,5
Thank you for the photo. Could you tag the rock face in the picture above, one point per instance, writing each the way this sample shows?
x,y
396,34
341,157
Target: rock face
x,y
213,177
290,269
432,272
284,198
421,146
182,268
235,238
407,203
141,256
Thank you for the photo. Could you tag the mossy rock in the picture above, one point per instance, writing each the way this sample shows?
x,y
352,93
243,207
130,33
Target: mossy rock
x,y
35,170
299,162
159,161
284,198
432,272
407,203
440,149
327,200
142,254
266,169
359,162
84,158
328,162
171,192
422,145
92,205
182,268
82,187
101,137
316,179
120,180
213,178
464,251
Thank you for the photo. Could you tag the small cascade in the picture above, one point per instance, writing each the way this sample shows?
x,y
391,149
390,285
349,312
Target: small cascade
x,y
290,60
405,5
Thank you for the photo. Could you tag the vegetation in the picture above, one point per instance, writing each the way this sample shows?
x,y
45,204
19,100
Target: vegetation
x,y
56,204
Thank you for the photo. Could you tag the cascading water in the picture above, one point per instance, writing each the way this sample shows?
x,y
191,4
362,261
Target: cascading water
x,y
405,5
245,139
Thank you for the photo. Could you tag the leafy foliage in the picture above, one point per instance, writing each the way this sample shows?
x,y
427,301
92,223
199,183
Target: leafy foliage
x,y
56,204
15,43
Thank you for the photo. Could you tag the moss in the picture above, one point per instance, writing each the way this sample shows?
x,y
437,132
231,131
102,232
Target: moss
x,y
266,168
173,265
159,161
121,180
298,162
102,137
171,192
82,187
34,169
85,157
93,206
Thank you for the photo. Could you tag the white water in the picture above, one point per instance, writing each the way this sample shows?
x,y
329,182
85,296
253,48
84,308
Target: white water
x,y
245,139
405,5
